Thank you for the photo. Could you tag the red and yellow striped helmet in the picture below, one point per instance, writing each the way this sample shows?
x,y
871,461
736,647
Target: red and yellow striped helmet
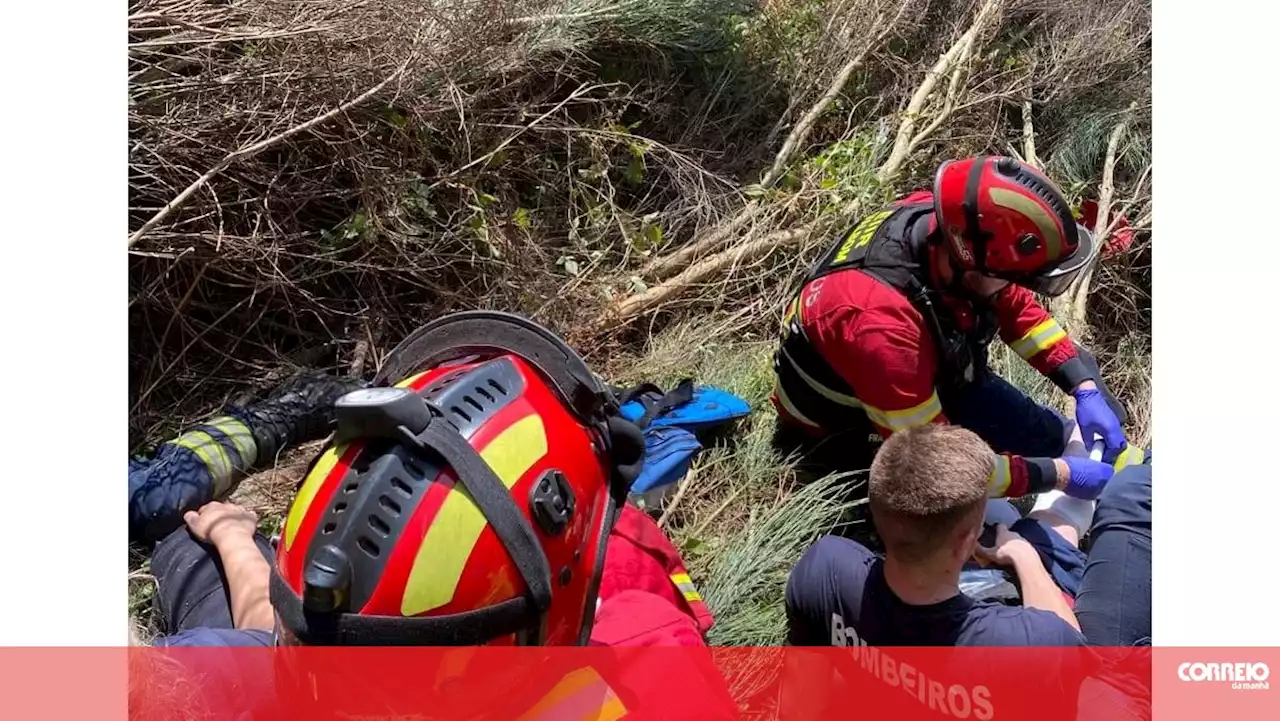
x,y
469,503
1005,219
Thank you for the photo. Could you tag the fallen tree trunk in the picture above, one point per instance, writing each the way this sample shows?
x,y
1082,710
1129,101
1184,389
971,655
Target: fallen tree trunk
x,y
665,266
699,272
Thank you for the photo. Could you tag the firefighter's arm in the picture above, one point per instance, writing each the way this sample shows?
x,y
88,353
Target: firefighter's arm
x,y
891,368
1037,338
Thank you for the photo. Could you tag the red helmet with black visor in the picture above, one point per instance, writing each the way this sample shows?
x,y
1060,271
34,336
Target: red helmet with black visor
x,y
468,504
1007,220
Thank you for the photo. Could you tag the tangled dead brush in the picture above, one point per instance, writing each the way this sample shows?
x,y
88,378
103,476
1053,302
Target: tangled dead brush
x,y
311,179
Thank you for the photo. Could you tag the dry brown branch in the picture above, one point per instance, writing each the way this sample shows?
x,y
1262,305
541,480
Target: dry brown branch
x,y
749,251
252,150
666,265
579,92
879,32
675,500
1029,137
1078,296
951,63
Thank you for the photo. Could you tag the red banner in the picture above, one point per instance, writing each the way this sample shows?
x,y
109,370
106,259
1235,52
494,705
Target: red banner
x,y
607,684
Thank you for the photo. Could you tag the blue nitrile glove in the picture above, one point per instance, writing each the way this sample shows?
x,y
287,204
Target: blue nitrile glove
x,y
1096,418
1088,477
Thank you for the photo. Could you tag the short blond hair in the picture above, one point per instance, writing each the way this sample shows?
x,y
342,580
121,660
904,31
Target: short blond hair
x,y
926,482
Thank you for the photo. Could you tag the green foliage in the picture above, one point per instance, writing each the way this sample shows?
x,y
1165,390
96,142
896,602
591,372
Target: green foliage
x,y
745,583
846,170
347,233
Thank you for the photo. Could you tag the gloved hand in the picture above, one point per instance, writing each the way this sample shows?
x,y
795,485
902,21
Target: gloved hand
x,y
1088,477
1096,418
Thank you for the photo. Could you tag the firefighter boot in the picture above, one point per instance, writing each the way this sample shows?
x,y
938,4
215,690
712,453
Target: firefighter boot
x,y
297,412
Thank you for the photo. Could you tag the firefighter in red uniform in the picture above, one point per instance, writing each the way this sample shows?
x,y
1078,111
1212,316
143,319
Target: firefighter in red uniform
x,y
481,501
890,330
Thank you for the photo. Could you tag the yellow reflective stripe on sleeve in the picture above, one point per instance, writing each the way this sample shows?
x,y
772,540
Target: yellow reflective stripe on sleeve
x,y
457,526
790,408
1038,339
1001,477
211,453
240,436
917,415
825,392
685,584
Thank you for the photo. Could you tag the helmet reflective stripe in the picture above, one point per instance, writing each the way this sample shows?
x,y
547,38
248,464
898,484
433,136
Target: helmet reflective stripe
x,y
1045,222
315,479
457,526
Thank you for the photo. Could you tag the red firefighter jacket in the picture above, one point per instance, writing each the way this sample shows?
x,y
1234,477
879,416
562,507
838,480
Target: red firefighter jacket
x,y
878,344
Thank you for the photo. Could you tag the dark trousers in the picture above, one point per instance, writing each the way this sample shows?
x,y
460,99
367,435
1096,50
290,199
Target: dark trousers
x,y
192,584
1114,602
1003,416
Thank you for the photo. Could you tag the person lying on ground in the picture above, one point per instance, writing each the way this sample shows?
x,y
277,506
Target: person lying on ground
x,y
480,501
891,330
206,463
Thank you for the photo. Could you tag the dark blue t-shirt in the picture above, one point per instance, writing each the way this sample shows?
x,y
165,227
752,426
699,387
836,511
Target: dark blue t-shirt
x,y
837,596
217,637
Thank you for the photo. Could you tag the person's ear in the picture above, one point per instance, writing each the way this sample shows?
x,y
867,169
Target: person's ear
x,y
966,542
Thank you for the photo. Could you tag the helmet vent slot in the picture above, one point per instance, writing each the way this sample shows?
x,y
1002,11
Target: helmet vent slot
x,y
389,505
368,546
468,399
380,526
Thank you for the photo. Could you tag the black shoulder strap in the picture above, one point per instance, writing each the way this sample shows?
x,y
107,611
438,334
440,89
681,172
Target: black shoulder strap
x,y
654,407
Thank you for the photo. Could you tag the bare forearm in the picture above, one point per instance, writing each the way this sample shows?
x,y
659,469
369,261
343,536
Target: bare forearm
x,y
248,582
1038,588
